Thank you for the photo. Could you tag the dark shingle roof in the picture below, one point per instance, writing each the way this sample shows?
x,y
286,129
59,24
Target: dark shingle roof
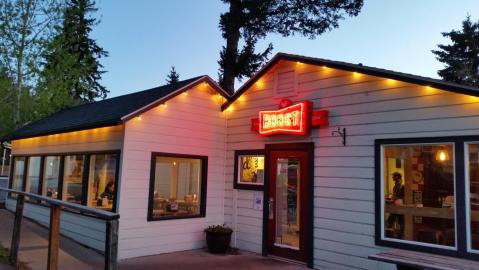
x,y
103,113
405,77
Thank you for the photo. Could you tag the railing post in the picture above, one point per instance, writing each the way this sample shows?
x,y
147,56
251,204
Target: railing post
x,y
17,227
54,237
111,245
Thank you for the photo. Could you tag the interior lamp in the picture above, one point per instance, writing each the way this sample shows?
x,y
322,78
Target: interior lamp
x,y
442,155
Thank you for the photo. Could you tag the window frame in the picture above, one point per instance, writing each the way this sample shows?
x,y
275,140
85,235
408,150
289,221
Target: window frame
x,y
462,236
62,156
203,186
467,186
10,177
245,186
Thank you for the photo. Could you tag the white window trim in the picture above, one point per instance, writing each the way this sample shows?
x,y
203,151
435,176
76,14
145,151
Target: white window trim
x,y
468,198
383,237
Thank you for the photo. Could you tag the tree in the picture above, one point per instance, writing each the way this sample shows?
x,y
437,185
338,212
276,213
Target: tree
x,y
173,76
461,58
25,26
72,70
253,20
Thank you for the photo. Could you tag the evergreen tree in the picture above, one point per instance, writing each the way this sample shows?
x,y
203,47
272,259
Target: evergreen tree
x,y
253,20
72,71
461,58
173,76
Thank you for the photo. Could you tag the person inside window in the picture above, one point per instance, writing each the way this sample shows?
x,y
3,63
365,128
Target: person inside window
x,y
109,191
398,189
396,221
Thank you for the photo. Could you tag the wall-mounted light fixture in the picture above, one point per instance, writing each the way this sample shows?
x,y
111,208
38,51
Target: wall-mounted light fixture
x,y
340,133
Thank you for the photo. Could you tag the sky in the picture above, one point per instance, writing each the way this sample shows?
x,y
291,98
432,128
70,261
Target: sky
x,y
145,38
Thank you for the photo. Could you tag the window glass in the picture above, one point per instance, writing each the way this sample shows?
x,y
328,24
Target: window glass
x,y
101,181
18,174
473,183
51,174
251,169
33,175
72,178
418,184
177,187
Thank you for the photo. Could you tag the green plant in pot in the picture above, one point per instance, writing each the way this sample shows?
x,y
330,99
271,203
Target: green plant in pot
x,y
218,238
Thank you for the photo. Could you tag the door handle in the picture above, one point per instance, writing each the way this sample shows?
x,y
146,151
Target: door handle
x,y
271,208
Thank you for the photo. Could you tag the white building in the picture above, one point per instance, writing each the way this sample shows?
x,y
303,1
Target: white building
x,y
317,161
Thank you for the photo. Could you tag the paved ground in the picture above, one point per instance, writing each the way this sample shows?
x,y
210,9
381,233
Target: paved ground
x,y
34,244
200,259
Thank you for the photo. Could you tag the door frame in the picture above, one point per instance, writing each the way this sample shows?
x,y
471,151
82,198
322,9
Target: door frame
x,y
309,148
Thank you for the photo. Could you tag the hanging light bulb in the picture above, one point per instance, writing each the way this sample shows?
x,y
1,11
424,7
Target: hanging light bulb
x,y
442,155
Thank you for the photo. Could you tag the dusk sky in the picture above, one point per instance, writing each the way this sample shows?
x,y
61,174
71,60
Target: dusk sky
x,y
146,37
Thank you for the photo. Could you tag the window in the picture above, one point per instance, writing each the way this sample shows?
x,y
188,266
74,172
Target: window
x,y
18,174
472,195
419,196
177,187
101,181
73,178
249,169
51,174
87,178
33,175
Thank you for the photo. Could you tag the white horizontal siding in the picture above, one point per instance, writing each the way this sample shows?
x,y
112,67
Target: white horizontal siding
x,y
369,108
85,230
190,124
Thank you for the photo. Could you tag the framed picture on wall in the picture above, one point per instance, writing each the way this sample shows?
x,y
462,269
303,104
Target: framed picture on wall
x,y
249,169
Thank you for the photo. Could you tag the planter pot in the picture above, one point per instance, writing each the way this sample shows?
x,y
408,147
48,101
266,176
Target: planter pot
x,y
218,243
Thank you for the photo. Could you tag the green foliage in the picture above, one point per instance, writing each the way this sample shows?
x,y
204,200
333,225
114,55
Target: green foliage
x,y
461,58
25,26
72,71
219,229
254,20
173,76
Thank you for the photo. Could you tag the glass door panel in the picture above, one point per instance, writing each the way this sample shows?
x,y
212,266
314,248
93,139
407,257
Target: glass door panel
x,y
287,203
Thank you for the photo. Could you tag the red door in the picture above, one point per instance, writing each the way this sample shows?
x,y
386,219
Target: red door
x,y
288,218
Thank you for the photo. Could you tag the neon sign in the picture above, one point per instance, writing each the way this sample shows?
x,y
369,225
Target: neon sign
x,y
293,119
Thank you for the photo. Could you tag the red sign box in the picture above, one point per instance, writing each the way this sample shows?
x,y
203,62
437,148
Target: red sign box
x,y
294,119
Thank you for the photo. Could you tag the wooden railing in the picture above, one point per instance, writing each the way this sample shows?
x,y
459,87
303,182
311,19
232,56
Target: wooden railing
x,y
111,219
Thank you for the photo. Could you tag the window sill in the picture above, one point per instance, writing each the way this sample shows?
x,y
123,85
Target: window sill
x,y
175,217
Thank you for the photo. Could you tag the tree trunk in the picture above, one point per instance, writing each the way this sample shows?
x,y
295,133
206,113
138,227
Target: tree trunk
x,y
27,13
18,92
231,51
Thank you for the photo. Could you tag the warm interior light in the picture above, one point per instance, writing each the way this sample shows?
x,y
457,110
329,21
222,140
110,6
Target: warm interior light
x,y
442,155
